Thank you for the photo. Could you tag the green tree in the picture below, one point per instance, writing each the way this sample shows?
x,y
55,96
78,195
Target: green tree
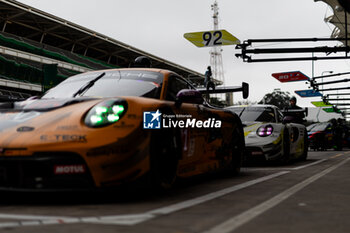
x,y
277,98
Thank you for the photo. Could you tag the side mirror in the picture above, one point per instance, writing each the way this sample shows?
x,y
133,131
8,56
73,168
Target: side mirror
x,y
188,96
245,90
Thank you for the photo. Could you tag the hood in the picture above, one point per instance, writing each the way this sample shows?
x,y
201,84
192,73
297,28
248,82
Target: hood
x,y
41,105
19,113
250,123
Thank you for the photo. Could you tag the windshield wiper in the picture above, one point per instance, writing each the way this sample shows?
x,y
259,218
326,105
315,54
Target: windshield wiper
x,y
88,85
240,114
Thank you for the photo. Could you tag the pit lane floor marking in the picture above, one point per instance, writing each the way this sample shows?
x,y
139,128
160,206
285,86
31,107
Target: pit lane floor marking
x,y
308,165
284,168
30,217
336,156
133,219
239,220
130,219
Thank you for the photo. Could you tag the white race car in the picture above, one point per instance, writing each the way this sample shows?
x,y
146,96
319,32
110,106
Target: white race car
x,y
268,137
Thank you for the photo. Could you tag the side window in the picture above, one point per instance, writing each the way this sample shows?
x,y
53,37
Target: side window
x,y
279,116
268,115
175,84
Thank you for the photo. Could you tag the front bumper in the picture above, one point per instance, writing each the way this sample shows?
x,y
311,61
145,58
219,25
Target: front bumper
x,y
262,153
45,171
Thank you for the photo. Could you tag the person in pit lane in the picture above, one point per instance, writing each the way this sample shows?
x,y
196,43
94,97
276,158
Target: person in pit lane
x,y
296,117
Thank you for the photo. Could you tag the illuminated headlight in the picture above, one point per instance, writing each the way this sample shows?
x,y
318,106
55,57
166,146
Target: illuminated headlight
x,y
106,113
265,130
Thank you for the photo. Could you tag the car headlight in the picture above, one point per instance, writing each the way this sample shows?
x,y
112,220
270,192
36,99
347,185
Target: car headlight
x,y
106,113
265,130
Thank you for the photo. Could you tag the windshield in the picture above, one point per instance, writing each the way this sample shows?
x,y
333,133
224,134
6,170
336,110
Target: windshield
x,y
262,114
113,83
310,127
319,127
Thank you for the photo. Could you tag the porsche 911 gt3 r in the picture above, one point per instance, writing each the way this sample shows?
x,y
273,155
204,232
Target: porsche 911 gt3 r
x,y
268,138
105,128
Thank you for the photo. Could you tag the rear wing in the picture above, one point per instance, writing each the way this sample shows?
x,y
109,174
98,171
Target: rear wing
x,y
294,111
216,90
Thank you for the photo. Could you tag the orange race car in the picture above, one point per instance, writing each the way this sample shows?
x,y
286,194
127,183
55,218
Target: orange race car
x,y
105,128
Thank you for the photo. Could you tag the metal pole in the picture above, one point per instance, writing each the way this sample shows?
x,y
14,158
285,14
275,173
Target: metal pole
x,y
313,66
346,32
328,71
331,75
339,94
334,89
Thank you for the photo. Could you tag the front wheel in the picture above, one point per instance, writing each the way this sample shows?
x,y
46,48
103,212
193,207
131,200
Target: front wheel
x,y
164,158
286,147
306,148
238,147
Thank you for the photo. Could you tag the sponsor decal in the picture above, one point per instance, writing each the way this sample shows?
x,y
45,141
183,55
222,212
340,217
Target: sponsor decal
x,y
124,125
25,129
63,138
69,169
67,127
152,120
113,149
157,120
11,151
192,123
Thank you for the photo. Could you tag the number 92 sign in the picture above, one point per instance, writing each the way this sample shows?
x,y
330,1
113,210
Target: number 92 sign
x,y
211,38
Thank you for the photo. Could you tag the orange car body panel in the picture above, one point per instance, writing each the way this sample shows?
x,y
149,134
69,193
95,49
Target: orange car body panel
x,y
120,152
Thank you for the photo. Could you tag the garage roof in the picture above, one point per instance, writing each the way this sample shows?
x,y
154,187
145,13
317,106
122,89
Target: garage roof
x,y
27,22
338,18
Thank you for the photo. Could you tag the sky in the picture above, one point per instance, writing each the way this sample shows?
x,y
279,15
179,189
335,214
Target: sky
x,y
157,27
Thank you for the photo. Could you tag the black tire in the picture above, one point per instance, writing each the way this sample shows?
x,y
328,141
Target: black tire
x,y
164,158
286,147
238,149
306,147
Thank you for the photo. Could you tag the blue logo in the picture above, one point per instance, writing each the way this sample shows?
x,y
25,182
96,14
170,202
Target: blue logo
x,y
152,120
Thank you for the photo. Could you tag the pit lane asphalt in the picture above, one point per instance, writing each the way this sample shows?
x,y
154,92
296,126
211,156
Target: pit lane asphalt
x,y
310,196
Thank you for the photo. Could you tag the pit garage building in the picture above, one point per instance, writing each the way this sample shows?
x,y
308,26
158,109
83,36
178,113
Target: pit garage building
x,y
39,50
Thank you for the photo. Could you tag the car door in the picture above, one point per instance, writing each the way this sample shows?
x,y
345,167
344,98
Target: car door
x,y
198,144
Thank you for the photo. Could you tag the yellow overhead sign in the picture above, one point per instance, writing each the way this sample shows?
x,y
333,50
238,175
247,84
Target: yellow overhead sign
x,y
211,38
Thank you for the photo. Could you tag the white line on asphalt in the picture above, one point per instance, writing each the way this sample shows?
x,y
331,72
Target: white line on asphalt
x,y
253,169
211,196
29,217
239,220
310,164
138,218
285,168
132,219
127,220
